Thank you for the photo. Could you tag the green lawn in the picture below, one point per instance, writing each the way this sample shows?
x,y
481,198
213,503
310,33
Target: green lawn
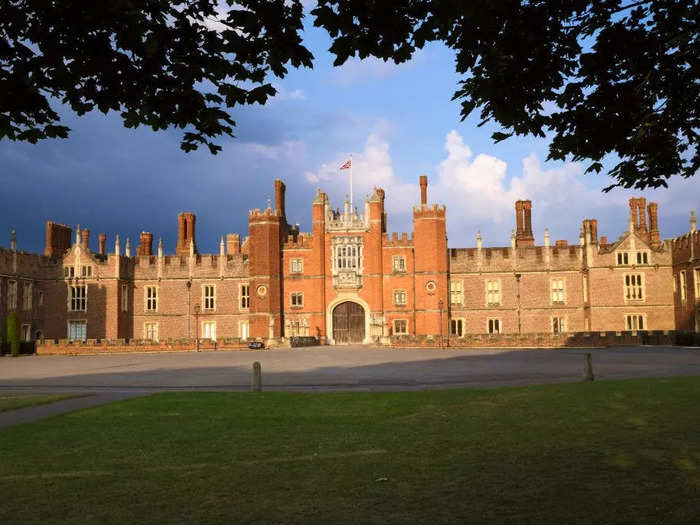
x,y
15,401
604,452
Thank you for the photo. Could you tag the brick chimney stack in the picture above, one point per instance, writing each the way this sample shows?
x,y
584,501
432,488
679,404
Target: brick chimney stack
x,y
185,233
58,239
85,239
518,218
233,244
423,190
653,210
279,198
145,244
523,224
101,240
591,226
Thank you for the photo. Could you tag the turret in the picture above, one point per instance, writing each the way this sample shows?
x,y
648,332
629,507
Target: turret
x,y
430,241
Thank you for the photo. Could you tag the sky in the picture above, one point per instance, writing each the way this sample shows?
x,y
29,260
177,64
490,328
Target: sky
x,y
397,122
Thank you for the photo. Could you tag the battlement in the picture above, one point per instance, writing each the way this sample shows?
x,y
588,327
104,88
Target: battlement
x,y
395,241
436,211
684,241
268,214
300,240
25,260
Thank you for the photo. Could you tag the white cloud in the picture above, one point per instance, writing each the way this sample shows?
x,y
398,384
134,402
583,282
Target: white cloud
x,y
480,194
372,168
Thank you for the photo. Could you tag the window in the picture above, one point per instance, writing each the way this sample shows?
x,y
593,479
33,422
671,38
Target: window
x,y
297,299
634,322
457,327
633,287
12,295
456,292
399,263
682,285
25,332
585,288
77,330
41,298
86,271
623,258
209,330
557,291
697,284
558,325
27,296
297,266
209,300
494,326
642,258
245,296
151,296
493,292
347,253
400,297
400,327
244,330
125,298
150,331
77,298
69,271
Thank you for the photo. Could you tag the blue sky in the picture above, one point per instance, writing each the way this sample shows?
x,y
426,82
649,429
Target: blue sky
x,y
397,121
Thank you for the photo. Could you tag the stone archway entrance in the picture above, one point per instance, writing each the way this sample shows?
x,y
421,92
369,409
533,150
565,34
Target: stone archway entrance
x,y
348,323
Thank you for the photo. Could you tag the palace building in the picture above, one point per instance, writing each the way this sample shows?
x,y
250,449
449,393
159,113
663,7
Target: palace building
x,y
349,281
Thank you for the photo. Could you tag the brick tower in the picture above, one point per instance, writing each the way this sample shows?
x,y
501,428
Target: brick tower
x,y
430,240
267,230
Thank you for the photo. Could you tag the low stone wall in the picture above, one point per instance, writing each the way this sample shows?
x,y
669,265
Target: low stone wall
x,y
118,346
539,340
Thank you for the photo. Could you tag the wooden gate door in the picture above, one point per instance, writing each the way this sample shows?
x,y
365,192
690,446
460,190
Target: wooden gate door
x,y
348,323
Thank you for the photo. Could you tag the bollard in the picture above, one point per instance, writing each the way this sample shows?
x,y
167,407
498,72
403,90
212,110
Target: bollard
x,y
256,380
587,367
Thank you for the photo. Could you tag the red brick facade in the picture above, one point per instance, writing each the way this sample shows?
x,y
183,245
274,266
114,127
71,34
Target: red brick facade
x,y
348,280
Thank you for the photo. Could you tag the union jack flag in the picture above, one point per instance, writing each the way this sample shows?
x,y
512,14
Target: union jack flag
x,y
347,165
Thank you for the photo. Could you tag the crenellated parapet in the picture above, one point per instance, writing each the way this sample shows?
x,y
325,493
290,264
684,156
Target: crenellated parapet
x,y
435,211
300,240
394,241
268,214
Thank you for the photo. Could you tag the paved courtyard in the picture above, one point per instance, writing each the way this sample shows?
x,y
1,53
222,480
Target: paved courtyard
x,y
336,368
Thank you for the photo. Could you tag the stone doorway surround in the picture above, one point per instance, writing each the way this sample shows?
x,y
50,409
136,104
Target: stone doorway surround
x,y
354,298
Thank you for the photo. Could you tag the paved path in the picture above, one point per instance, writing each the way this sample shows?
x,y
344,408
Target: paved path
x,y
336,368
115,377
28,414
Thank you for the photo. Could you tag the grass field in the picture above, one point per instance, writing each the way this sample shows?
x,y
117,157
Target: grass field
x,y
607,452
15,401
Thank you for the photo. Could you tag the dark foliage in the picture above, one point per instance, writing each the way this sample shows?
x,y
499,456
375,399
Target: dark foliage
x,y
600,78
158,62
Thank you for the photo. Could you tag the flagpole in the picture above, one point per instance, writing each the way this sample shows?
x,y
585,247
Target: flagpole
x,y
351,208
